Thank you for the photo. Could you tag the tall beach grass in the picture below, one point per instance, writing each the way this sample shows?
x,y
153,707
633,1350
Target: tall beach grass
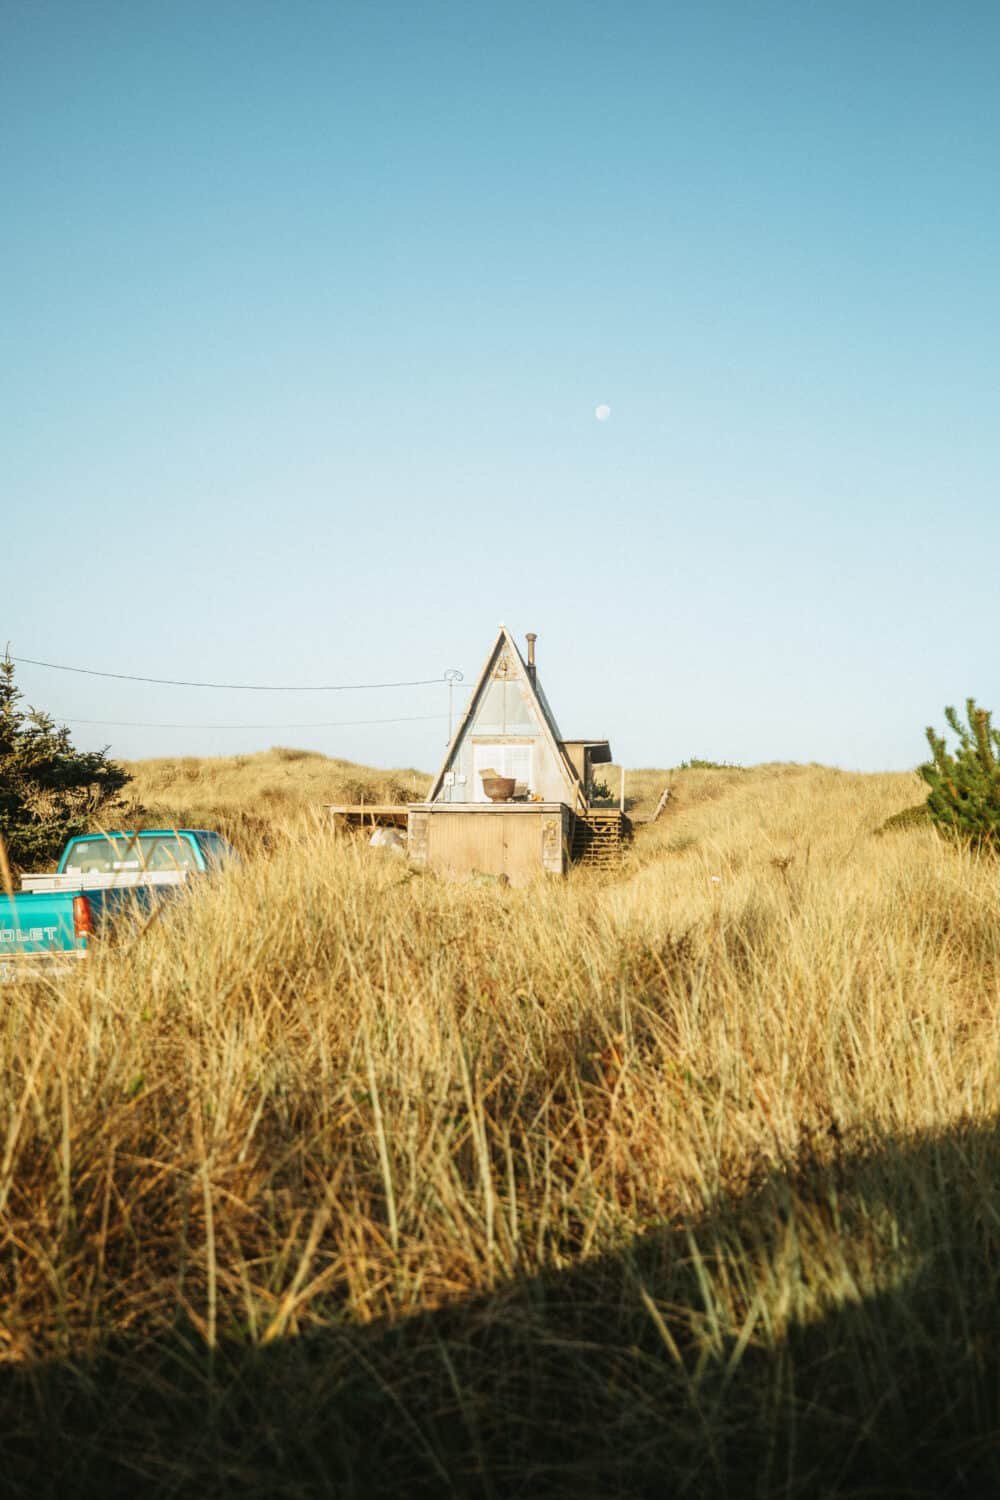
x,y
341,1179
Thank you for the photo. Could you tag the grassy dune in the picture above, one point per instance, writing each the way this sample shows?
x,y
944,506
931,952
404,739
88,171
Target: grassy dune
x,y
247,796
342,1180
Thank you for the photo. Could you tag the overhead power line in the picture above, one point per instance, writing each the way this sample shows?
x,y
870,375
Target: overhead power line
x,y
241,687
335,724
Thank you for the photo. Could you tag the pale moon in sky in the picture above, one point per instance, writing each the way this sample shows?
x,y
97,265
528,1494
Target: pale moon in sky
x,y
602,412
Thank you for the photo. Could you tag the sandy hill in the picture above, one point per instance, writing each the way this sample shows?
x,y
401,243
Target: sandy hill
x,y
272,787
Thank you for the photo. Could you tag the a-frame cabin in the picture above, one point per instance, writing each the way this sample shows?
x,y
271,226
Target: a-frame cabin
x,y
512,797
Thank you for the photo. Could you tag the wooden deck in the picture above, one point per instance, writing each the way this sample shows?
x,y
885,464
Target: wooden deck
x,y
348,817
598,837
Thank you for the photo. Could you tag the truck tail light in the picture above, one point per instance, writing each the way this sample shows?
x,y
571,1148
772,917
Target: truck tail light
x,y
83,917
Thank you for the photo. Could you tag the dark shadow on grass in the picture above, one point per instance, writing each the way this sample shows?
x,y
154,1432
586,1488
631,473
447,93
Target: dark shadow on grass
x,y
593,1381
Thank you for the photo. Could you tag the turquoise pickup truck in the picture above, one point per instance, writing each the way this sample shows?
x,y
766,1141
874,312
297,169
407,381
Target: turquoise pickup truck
x,y
50,923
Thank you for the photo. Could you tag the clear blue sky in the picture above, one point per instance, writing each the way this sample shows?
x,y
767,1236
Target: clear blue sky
x,y
307,308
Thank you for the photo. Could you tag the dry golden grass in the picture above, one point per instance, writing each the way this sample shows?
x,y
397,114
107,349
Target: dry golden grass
x,y
250,793
345,1180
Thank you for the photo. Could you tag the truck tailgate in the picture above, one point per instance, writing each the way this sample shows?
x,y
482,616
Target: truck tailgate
x,y
36,923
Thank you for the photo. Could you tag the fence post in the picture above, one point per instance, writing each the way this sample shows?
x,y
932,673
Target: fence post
x,y
5,875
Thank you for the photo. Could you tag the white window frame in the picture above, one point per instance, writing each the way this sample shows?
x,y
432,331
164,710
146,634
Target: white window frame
x,y
506,760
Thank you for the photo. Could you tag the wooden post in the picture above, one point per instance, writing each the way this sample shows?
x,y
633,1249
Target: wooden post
x,y
621,801
5,874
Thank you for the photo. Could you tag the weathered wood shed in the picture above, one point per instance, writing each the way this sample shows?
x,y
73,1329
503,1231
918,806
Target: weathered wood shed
x,y
508,734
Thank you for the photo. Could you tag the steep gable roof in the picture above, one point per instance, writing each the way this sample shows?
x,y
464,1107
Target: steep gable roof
x,y
504,647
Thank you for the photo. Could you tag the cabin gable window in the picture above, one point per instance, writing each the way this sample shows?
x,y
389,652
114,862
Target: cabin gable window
x,y
505,760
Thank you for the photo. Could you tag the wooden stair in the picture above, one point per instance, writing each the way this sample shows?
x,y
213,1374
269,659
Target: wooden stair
x,y
665,797
599,837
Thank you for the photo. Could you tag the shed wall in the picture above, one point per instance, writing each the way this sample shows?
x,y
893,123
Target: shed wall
x,y
521,843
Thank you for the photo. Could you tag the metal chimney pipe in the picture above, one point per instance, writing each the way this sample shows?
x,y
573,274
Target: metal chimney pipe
x,y
531,638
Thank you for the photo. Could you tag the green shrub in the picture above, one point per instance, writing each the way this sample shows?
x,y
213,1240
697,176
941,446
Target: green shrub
x,y
965,786
49,791
290,753
909,817
695,764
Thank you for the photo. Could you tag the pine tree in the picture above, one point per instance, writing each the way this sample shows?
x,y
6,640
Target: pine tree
x,y
965,786
49,791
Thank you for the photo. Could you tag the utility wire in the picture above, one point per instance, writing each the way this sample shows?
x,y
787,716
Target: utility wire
x,y
336,724
242,687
